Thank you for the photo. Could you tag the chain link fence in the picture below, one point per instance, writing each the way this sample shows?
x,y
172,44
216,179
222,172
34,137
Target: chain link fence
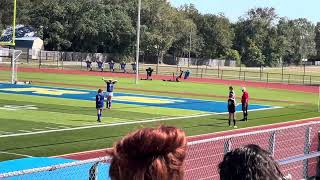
x,y
295,147
304,74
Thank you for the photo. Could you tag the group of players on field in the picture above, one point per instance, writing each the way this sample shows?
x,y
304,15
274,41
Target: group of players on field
x,y
101,97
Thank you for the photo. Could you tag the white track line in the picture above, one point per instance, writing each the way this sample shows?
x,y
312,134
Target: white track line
x,y
23,155
106,125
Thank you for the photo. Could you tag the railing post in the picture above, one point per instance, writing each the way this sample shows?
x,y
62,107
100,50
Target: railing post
x,y
227,146
62,63
201,72
260,73
40,60
57,62
157,67
244,75
218,69
306,151
221,74
267,77
93,171
28,55
289,79
272,143
310,81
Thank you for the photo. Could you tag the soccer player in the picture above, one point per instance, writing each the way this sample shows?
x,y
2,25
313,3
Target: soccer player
x,y
111,66
109,91
89,65
123,67
149,73
134,67
99,104
245,101
180,76
100,65
187,74
232,109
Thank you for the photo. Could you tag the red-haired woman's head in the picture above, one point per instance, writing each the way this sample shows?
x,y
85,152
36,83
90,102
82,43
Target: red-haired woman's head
x,y
149,154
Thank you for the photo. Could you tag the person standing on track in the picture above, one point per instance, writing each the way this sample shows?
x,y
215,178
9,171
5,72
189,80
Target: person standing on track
x,y
109,91
99,104
245,101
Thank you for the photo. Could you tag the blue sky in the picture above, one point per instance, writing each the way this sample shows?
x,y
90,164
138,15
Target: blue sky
x,y
235,8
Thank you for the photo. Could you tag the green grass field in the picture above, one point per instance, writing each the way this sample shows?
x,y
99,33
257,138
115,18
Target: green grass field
x,y
59,113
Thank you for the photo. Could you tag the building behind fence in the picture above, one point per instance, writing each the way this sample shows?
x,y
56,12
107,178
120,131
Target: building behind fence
x,y
295,147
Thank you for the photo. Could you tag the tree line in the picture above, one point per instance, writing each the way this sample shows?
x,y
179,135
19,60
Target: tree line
x,y
259,38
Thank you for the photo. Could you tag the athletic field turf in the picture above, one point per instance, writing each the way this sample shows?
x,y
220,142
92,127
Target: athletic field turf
x,y
56,114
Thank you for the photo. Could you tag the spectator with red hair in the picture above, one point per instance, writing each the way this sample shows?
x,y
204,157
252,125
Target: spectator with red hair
x,y
149,154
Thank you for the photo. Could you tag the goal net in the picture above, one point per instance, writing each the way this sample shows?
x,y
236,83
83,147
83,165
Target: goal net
x,y
9,65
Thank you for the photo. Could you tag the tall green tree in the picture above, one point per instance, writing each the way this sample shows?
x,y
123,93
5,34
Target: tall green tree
x,y
256,33
298,39
317,39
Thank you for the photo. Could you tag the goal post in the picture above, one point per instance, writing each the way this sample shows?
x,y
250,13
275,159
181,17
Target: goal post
x,y
8,22
9,65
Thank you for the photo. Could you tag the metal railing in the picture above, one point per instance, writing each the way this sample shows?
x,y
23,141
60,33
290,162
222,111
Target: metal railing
x,y
295,147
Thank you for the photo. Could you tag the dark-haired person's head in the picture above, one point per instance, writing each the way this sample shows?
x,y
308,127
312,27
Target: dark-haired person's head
x,y
247,163
149,154
99,90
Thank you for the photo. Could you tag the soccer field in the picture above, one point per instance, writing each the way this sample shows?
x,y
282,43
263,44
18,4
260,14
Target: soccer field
x,y
56,114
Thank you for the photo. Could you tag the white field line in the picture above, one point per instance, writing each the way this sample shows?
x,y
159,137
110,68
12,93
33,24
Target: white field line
x,y
26,131
106,125
66,127
255,127
51,128
10,153
5,132
35,129
120,123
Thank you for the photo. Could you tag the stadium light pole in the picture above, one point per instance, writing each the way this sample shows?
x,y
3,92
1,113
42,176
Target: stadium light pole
x,y
190,44
138,42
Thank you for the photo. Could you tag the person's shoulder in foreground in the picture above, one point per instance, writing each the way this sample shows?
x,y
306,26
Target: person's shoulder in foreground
x,y
149,154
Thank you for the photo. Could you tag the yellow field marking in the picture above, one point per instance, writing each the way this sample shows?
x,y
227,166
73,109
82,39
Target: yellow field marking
x,y
148,100
57,92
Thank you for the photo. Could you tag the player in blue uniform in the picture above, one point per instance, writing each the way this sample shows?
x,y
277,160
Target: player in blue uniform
x,y
99,104
100,65
109,91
